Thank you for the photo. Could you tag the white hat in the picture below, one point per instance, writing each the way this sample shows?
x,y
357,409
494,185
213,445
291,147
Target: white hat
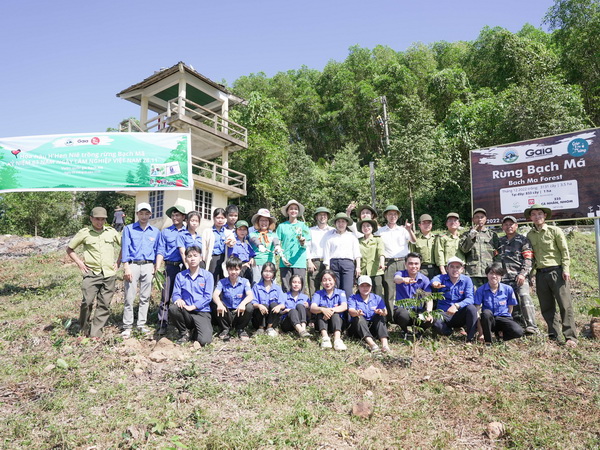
x,y
455,259
143,205
365,279
292,202
263,212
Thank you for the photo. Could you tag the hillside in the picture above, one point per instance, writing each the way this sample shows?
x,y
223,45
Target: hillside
x,y
58,390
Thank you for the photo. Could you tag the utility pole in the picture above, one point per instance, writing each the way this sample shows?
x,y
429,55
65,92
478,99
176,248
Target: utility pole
x,y
386,131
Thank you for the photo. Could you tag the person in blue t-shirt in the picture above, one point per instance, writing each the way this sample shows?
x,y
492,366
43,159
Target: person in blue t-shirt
x,y
232,302
496,301
457,305
269,302
411,283
329,304
239,246
368,315
190,236
297,304
192,295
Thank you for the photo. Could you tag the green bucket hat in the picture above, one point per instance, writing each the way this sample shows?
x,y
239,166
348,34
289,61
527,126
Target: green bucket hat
x,y
371,221
370,208
174,208
547,210
322,209
342,215
391,208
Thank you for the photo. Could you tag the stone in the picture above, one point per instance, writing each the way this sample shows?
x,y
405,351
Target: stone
x,y
495,430
371,373
137,372
157,357
362,409
595,327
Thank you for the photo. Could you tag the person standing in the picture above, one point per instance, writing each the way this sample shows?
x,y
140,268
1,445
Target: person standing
x,y
316,248
342,253
167,251
479,245
98,268
425,245
365,212
264,241
293,235
118,221
372,255
553,276
516,255
395,241
138,256
447,245
213,244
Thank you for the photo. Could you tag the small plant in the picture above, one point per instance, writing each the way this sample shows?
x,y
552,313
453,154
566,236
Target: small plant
x,y
594,311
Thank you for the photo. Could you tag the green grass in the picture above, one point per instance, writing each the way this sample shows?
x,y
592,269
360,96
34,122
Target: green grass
x,y
282,392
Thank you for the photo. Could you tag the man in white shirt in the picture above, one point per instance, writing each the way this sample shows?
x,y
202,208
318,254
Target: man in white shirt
x,y
342,253
316,249
395,241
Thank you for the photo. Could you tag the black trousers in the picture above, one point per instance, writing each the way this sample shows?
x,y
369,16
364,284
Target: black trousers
x,y
260,320
286,274
490,323
363,328
334,323
171,271
295,317
198,323
230,319
464,317
402,317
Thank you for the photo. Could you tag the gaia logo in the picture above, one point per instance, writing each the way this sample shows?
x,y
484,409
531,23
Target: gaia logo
x,y
510,156
578,147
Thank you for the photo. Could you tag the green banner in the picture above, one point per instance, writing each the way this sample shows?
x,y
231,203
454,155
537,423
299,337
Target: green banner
x,y
96,161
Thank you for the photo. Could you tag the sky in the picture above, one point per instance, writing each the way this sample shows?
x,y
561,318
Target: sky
x,y
63,62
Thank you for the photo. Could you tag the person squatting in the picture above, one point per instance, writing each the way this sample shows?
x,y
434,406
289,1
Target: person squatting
x,y
334,279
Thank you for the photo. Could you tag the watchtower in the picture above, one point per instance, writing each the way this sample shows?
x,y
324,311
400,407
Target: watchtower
x,y
179,99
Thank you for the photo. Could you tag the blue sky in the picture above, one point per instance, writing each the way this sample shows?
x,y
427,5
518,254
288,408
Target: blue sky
x,y
63,62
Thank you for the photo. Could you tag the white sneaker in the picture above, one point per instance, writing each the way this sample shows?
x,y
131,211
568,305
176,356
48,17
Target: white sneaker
x,y
272,332
126,333
326,342
144,329
339,345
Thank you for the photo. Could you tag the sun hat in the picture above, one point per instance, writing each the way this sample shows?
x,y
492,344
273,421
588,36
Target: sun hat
x,y
292,202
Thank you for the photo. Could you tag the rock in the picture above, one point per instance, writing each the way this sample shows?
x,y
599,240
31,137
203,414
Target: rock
x,y
164,344
369,394
132,343
362,409
137,372
426,378
595,327
197,345
92,391
495,430
49,368
371,373
157,357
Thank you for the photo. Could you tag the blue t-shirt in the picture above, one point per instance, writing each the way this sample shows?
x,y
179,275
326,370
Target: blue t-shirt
x,y
194,291
262,297
242,249
186,240
232,296
368,307
338,297
405,291
499,302
291,302
138,244
167,243
461,292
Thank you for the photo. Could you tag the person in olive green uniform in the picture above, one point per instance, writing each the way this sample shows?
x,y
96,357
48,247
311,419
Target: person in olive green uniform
x,y
447,243
425,245
479,245
552,263
99,268
372,251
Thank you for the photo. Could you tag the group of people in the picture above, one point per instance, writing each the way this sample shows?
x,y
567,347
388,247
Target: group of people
x,y
226,276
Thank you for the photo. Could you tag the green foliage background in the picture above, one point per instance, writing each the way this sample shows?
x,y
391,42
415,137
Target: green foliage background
x,y
312,133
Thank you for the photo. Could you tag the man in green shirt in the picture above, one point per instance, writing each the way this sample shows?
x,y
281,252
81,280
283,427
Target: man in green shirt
x,y
552,262
98,267
447,244
425,245
479,245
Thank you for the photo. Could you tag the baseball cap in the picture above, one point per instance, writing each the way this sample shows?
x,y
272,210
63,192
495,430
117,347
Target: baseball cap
x,y
143,205
364,279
